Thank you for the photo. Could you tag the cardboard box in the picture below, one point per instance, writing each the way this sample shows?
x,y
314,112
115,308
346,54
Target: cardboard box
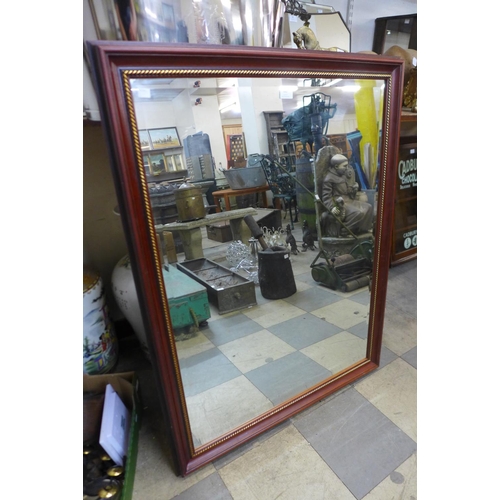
x,y
127,387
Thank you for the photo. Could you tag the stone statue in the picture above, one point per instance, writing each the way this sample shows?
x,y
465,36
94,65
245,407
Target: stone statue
x,y
337,189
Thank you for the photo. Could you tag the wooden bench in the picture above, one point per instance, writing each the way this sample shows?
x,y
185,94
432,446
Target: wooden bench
x,y
190,232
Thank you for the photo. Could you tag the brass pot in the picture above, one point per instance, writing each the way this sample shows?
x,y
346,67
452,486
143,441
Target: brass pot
x,y
189,202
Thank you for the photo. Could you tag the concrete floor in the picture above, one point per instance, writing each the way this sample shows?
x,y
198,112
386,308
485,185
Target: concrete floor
x,y
359,443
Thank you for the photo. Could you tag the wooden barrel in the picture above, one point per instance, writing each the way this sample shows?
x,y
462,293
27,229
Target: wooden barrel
x,y
305,192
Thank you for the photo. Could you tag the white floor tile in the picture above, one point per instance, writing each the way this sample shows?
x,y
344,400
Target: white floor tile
x,y
337,352
273,312
285,467
393,390
219,410
344,313
255,350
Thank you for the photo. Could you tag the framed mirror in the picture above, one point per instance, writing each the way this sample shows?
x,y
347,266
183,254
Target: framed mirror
x,y
257,366
395,30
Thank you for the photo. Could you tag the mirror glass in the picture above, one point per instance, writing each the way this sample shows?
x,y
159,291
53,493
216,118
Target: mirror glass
x,y
398,32
395,31
321,137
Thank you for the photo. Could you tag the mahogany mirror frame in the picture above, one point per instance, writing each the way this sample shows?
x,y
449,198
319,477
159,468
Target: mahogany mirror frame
x,y
112,63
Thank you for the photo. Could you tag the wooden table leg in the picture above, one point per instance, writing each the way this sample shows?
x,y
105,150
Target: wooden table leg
x,y
217,204
264,199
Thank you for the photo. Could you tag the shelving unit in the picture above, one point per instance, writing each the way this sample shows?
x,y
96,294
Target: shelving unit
x,y
277,136
159,161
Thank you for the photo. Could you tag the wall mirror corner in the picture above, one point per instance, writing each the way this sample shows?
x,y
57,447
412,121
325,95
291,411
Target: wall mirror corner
x,y
243,369
400,31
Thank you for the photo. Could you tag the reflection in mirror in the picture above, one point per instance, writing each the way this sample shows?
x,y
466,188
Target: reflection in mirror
x,y
319,136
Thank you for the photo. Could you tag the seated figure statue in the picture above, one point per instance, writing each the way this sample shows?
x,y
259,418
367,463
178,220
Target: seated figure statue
x,y
337,189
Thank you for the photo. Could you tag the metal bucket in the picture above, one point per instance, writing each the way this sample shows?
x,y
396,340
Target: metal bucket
x,y
189,202
276,278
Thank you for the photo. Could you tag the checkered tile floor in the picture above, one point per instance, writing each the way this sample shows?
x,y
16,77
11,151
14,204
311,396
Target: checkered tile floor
x,y
356,444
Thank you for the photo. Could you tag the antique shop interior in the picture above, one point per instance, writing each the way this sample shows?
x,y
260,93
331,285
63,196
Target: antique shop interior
x,y
284,363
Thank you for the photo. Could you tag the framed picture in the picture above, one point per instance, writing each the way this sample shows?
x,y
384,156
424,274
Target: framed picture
x,y
147,167
179,164
157,163
170,163
144,140
168,16
164,138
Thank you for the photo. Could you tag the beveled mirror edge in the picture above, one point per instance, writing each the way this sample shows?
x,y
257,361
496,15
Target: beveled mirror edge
x,y
110,59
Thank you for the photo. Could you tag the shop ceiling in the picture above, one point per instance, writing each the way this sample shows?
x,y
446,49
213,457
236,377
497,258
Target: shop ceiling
x,y
158,90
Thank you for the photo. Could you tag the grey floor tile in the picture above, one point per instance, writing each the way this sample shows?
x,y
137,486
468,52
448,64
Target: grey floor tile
x,y
407,269
386,357
313,298
231,328
244,448
411,357
360,444
210,488
361,330
304,330
400,330
307,278
402,293
287,376
363,297
206,370
400,484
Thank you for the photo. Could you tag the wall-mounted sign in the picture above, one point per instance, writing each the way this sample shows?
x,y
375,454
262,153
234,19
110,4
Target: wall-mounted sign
x,y
405,213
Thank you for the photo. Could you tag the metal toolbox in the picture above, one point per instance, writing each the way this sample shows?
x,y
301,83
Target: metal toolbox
x,y
187,301
220,232
226,290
